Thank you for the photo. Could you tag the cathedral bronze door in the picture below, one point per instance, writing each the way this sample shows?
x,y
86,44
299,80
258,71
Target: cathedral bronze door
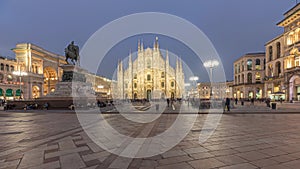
x,y
148,94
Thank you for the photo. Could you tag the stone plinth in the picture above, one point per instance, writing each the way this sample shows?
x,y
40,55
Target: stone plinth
x,y
73,89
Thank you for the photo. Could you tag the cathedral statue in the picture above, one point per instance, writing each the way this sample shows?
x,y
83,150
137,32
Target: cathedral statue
x,y
72,52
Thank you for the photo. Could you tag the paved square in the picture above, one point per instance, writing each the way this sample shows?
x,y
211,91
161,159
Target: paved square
x,y
56,140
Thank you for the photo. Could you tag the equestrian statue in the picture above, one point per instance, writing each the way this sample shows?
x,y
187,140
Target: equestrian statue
x,y
72,52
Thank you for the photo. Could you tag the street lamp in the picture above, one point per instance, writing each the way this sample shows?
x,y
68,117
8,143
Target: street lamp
x,y
20,74
194,79
211,64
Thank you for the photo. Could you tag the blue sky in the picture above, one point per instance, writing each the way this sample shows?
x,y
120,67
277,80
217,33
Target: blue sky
x,y
235,27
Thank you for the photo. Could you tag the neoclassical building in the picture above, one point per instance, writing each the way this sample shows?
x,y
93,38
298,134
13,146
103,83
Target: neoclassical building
x,y
150,76
283,58
9,83
249,74
43,71
219,90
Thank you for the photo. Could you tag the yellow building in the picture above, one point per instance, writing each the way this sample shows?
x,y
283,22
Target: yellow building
x,y
219,90
150,76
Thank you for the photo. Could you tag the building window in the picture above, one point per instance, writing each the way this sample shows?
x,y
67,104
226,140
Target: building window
x,y
172,84
162,74
257,64
264,64
239,68
290,39
7,68
239,79
162,84
148,63
243,78
249,78
270,53
257,76
135,85
12,68
135,76
243,66
235,69
278,46
2,66
249,64
148,77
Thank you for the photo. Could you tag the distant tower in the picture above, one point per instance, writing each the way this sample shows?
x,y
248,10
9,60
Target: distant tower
x,y
120,79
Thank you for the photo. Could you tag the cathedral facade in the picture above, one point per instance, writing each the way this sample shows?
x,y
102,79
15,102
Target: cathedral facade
x,y
150,76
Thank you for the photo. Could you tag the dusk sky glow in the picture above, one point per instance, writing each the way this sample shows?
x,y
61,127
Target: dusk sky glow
x,y
235,27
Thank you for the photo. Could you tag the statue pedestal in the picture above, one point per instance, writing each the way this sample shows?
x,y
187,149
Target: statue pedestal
x,y
73,89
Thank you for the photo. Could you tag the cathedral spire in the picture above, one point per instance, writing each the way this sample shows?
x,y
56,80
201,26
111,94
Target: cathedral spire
x,y
139,45
167,57
156,45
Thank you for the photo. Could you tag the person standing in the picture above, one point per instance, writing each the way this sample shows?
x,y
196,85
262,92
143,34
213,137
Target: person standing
x,y
227,104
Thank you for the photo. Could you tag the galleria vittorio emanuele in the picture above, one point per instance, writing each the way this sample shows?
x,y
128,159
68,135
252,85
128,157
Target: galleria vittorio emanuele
x,y
150,76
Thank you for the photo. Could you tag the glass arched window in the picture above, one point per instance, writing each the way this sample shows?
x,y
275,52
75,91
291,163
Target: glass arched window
x,y
278,46
249,64
257,64
270,53
249,78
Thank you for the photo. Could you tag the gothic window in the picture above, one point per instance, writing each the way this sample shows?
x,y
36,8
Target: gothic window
x,y
162,84
172,84
135,85
148,77
162,74
249,64
148,63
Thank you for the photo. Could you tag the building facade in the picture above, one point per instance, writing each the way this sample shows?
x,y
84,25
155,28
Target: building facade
x,y
249,74
283,58
40,73
219,90
9,83
150,76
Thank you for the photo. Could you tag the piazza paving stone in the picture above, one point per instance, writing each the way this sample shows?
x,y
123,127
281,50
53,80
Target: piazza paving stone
x,y
56,140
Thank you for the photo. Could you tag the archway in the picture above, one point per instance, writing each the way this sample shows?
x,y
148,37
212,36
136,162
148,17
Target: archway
x,y
35,92
294,88
50,79
135,96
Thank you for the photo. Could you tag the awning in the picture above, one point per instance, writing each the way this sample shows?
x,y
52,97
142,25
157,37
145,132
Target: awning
x,y
9,93
1,92
18,92
278,93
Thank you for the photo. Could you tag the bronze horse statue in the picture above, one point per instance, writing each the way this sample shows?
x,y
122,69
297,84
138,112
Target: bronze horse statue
x,y
72,52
